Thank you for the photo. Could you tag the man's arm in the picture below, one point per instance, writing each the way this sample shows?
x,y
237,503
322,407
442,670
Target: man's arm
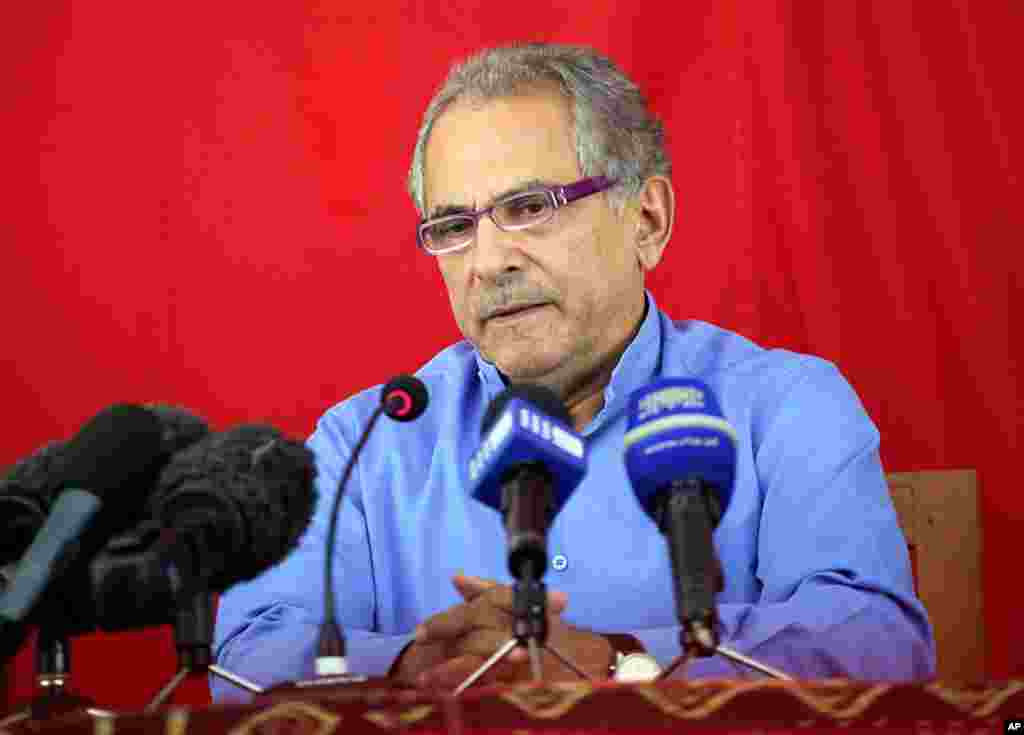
x,y
837,595
879,641
835,592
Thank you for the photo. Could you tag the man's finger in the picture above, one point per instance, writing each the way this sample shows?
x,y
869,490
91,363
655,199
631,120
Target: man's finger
x,y
490,609
483,642
450,623
502,597
557,602
452,673
472,587
459,620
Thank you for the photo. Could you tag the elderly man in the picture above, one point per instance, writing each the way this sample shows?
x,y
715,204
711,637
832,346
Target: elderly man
x,y
543,184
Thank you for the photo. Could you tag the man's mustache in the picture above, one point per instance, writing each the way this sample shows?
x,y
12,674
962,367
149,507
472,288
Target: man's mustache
x,y
507,299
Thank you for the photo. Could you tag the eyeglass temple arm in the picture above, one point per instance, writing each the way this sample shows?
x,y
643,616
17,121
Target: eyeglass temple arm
x,y
583,188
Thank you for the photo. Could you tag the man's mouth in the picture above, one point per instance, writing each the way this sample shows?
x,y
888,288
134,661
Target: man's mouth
x,y
508,313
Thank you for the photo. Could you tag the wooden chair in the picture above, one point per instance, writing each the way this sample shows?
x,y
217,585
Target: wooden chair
x,y
938,511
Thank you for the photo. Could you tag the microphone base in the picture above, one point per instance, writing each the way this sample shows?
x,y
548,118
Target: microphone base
x,y
529,628
535,664
379,690
330,680
49,706
728,653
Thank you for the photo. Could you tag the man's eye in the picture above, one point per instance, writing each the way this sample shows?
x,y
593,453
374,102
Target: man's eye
x,y
448,229
526,207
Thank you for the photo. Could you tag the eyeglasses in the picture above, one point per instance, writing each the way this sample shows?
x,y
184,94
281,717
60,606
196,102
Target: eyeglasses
x,y
516,212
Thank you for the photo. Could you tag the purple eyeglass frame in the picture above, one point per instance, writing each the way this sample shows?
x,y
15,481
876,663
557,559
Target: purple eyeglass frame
x,y
559,195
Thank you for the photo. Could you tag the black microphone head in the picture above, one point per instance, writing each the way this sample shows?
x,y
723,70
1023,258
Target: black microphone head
x,y
120,446
115,457
404,398
251,487
30,486
26,493
544,399
180,427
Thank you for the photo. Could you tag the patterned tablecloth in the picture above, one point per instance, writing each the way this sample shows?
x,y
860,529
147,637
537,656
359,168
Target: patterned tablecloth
x,y
714,706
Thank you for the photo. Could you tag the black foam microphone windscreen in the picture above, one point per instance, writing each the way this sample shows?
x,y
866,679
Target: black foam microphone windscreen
x,y
110,465
26,493
242,497
29,487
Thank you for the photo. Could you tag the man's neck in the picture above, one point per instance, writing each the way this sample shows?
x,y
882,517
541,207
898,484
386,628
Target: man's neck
x,y
584,396
585,404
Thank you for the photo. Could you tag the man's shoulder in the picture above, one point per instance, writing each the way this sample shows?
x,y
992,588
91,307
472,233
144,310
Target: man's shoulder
x,y
754,382
708,351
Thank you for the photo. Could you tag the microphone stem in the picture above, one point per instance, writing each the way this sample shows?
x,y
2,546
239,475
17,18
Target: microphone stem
x,y
529,606
528,574
687,524
53,661
332,638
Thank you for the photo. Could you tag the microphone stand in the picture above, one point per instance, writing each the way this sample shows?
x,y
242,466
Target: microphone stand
x,y
691,649
527,510
529,629
53,672
698,635
193,638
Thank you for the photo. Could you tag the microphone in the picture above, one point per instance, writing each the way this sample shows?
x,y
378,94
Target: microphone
x,y
28,489
403,398
26,493
118,448
6,575
224,510
681,461
529,462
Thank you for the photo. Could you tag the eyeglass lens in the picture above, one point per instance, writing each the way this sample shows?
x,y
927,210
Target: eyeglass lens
x,y
514,213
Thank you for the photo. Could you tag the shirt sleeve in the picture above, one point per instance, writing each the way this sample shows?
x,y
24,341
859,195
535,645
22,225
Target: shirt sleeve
x,y
267,629
837,596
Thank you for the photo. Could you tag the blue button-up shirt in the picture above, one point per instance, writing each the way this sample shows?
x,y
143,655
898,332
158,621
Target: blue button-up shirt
x,y
817,574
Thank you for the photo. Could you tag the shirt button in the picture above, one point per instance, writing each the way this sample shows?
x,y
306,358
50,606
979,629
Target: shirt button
x,y
560,562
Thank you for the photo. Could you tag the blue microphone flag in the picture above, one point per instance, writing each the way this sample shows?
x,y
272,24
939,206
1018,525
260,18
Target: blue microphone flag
x,y
522,434
676,431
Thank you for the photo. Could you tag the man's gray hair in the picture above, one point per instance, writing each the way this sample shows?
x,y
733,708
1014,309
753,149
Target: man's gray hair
x,y
616,134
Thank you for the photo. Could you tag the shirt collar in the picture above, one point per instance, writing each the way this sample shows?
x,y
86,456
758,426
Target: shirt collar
x,y
639,363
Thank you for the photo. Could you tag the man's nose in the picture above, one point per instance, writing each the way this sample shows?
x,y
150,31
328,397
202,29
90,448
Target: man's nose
x,y
494,251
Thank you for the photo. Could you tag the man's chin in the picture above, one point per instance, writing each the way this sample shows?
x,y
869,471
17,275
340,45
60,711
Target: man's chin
x,y
536,369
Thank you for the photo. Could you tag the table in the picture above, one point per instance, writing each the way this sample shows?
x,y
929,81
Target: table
x,y
713,706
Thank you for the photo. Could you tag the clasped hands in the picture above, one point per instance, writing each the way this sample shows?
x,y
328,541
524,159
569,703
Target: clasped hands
x,y
451,645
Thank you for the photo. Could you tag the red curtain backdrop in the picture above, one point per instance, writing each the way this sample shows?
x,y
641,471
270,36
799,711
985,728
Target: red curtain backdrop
x,y
204,204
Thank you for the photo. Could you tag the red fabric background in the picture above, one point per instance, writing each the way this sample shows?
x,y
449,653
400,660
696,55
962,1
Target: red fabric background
x,y
204,202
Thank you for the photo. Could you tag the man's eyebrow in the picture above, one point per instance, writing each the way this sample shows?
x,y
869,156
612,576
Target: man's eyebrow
x,y
443,210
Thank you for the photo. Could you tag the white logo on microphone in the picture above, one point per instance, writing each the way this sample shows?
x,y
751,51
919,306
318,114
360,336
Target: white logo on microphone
x,y
551,432
668,399
495,437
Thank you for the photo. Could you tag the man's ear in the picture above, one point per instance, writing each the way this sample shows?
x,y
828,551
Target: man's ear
x,y
654,213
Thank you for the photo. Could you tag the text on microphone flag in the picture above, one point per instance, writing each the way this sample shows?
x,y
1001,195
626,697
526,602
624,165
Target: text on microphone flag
x,y
668,399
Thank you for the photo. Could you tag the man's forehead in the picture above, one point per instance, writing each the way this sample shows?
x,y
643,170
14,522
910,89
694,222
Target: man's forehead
x,y
468,203
480,152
